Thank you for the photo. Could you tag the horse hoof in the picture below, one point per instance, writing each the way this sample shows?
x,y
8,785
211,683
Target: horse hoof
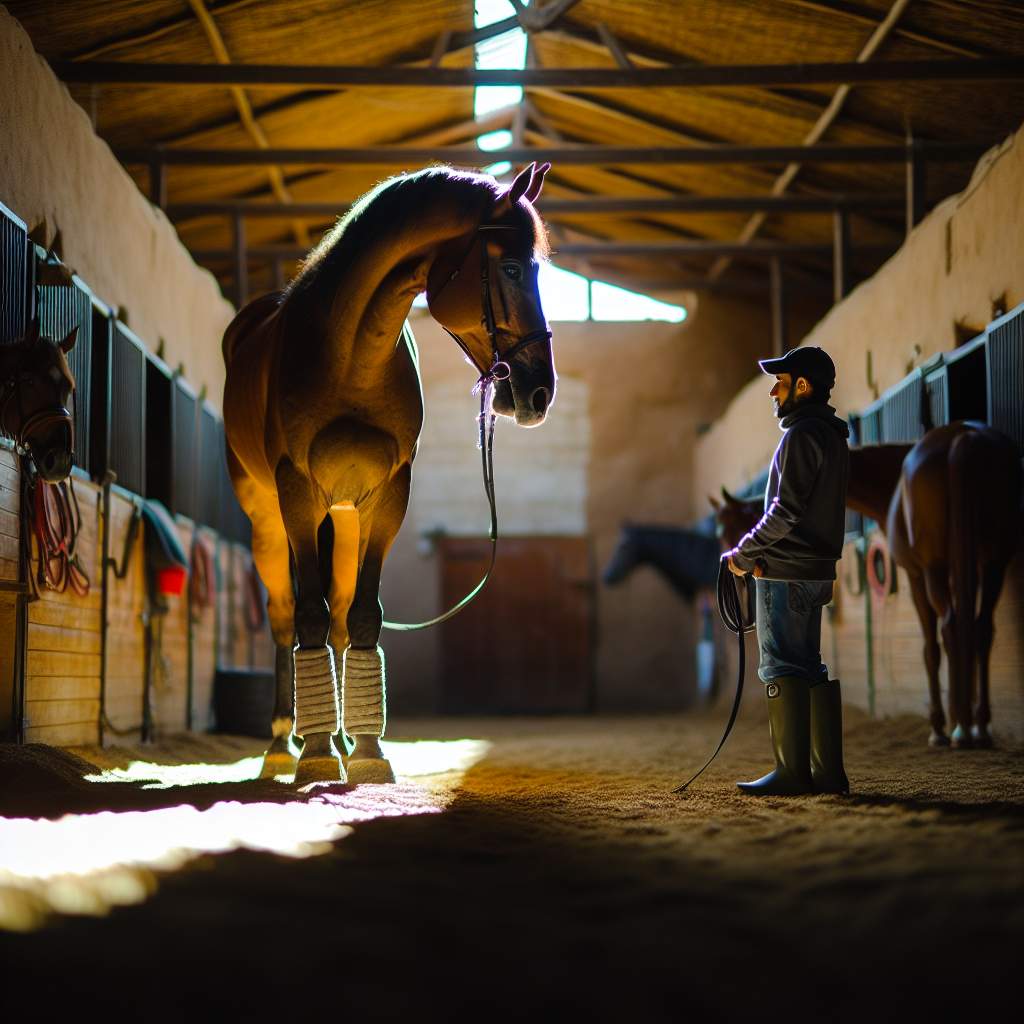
x,y
938,739
961,739
982,738
371,770
280,759
320,761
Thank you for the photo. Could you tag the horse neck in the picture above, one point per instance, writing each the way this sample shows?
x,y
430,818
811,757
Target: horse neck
x,y
369,297
874,474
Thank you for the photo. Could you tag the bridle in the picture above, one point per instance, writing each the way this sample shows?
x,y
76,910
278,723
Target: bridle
x,y
27,426
499,370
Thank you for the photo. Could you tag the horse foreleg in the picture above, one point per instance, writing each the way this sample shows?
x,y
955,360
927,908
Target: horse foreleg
x,y
991,585
316,684
932,658
365,711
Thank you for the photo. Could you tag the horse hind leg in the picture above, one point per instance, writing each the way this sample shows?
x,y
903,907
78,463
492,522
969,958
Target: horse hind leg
x,y
937,583
932,659
991,586
316,683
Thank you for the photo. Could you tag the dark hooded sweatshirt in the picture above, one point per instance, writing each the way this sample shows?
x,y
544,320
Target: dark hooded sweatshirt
x,y
800,535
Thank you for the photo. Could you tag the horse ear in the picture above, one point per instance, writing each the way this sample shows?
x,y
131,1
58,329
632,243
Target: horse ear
x,y
537,183
715,503
729,498
69,342
32,334
513,193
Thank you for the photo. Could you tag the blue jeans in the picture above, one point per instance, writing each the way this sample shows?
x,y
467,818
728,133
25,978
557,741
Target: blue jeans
x,y
789,627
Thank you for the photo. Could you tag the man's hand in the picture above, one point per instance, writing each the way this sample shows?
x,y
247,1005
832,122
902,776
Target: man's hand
x,y
737,571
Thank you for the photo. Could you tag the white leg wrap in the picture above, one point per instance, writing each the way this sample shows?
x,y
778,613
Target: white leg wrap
x,y
365,700
316,691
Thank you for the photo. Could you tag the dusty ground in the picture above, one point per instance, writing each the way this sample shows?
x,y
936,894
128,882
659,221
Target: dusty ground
x,y
557,876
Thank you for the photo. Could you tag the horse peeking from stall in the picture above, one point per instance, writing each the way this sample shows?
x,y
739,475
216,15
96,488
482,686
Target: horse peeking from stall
x,y
36,388
322,412
949,507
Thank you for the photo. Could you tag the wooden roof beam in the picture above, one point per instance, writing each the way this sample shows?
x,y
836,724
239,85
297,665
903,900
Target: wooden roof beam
x,y
567,155
691,247
590,205
689,76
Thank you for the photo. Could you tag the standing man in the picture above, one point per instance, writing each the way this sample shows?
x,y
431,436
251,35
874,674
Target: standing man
x,y
792,552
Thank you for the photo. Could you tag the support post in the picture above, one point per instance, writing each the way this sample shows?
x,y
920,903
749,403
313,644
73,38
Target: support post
x,y
778,298
241,259
158,182
840,255
916,183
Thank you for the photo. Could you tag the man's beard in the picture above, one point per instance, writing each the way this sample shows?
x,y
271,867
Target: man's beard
x,y
783,409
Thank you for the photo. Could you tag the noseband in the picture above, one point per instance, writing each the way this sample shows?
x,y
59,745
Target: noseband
x,y
22,435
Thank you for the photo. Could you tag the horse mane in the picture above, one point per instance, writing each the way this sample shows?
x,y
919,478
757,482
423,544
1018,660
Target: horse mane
x,y
389,205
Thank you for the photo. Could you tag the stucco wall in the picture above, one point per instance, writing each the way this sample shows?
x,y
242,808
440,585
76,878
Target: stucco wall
x,y
618,445
963,258
54,168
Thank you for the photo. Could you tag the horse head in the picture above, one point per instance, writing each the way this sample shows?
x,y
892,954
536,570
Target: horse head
x,y
36,385
483,289
625,558
734,518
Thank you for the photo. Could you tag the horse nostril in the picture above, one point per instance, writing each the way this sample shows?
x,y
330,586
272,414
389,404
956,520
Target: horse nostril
x,y
539,400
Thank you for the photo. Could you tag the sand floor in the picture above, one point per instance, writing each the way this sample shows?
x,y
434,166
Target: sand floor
x,y
547,870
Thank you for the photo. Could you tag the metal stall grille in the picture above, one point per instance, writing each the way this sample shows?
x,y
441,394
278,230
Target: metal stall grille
x,y
159,406
14,276
1005,344
901,412
869,424
936,389
184,413
211,456
61,308
127,439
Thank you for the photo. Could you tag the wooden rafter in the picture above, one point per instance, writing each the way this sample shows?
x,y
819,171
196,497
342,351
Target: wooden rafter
x,y
245,113
825,120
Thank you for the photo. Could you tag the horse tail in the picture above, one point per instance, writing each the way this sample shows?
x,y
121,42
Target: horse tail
x,y
963,563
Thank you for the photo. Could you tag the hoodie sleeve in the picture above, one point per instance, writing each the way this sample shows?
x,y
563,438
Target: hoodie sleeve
x,y
800,460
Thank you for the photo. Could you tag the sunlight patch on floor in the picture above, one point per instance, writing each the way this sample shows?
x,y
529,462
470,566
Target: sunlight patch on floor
x,y
89,863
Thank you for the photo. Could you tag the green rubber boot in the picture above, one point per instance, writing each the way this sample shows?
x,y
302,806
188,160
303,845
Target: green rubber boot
x,y
827,738
789,718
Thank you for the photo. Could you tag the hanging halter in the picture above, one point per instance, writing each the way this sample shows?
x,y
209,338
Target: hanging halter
x,y
499,370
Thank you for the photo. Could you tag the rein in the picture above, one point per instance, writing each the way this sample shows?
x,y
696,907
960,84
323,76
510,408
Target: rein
x,y
499,370
739,621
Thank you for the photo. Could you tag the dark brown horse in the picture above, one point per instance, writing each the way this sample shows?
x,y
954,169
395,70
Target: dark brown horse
x,y
950,508
36,388
323,409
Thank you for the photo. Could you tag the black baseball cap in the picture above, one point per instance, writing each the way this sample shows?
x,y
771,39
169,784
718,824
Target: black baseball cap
x,y
808,361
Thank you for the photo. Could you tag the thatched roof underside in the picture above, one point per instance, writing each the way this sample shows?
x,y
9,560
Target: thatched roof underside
x,y
651,33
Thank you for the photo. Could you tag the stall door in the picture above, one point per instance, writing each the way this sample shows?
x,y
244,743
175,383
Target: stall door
x,y
525,645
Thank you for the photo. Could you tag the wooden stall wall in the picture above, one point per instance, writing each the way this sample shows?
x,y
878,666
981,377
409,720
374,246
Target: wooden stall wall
x,y
126,630
10,504
63,654
204,644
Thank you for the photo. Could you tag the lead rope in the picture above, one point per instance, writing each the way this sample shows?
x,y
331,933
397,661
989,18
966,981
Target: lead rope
x,y
730,607
485,443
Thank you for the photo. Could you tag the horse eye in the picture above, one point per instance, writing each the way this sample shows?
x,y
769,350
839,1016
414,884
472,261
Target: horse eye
x,y
513,271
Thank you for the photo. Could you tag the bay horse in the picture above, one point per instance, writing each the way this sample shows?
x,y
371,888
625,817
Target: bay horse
x,y
949,507
323,408
686,559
